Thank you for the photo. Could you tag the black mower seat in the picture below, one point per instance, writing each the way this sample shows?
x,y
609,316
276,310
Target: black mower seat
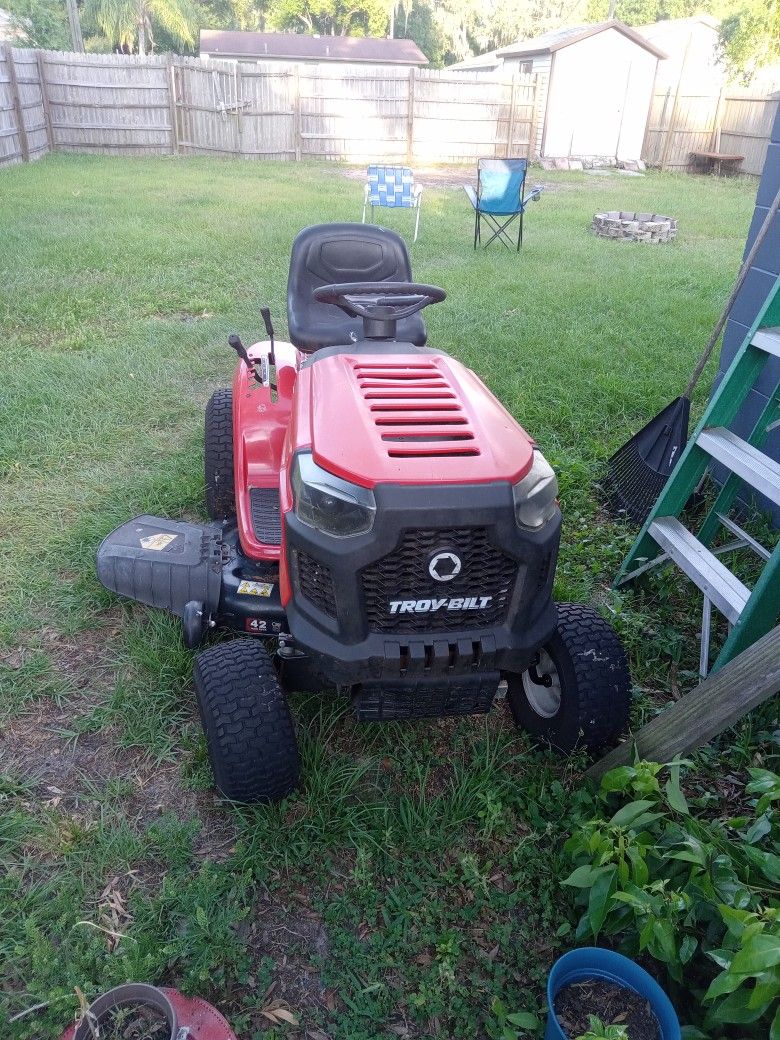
x,y
329,253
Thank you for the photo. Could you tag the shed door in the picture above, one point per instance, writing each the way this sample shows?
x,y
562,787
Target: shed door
x,y
596,131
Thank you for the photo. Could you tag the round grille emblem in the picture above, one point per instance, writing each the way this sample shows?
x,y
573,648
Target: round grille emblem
x,y
444,566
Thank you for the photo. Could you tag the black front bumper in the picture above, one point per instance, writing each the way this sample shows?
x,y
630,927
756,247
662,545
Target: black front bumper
x,y
334,616
344,630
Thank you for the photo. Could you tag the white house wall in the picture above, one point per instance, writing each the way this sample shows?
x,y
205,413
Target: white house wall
x,y
599,96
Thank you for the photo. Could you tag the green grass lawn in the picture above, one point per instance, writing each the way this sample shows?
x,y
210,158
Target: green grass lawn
x,y
415,877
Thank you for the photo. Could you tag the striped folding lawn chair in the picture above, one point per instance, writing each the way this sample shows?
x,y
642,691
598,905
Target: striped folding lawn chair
x,y
394,187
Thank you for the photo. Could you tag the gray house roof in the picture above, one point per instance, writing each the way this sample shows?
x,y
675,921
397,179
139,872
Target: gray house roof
x,y
220,43
479,62
560,38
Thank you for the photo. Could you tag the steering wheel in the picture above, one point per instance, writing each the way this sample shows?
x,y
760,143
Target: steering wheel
x,y
380,301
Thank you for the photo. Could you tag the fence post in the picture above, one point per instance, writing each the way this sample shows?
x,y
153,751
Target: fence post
x,y
716,128
17,102
45,99
410,116
511,130
297,111
675,107
239,107
172,104
536,116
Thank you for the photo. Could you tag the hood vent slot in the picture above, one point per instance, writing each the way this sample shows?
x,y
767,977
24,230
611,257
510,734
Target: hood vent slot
x,y
416,410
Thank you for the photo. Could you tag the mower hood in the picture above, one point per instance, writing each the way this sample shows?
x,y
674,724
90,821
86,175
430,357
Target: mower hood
x,y
410,417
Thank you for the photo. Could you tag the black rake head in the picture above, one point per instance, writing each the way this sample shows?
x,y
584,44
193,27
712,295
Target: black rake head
x,y
638,471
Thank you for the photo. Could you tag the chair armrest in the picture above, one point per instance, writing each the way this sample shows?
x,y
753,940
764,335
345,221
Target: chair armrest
x,y
534,194
472,195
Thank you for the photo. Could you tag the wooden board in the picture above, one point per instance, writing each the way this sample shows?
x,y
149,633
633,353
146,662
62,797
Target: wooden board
x,y
717,703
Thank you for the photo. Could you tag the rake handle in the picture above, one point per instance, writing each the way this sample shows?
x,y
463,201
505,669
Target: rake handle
x,y
743,273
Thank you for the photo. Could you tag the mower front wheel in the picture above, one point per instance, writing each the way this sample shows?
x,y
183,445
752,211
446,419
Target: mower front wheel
x,y
578,691
248,726
218,456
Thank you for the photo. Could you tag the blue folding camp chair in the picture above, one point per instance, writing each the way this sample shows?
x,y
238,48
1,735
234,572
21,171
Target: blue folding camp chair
x,y
392,186
499,194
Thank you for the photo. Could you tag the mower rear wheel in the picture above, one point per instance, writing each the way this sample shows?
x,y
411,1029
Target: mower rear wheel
x,y
218,456
578,691
249,729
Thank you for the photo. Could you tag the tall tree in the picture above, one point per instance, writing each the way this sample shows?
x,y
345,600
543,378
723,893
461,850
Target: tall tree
x,y
40,23
750,37
643,12
130,24
331,17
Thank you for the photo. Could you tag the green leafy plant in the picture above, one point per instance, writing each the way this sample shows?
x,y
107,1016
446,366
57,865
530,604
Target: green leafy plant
x,y
599,1031
510,1026
694,893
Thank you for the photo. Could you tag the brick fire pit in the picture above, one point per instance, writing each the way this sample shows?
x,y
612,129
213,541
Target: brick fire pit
x,y
635,227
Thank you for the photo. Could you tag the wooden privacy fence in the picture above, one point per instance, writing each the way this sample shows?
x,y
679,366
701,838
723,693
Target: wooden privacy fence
x,y
733,122
51,101
23,122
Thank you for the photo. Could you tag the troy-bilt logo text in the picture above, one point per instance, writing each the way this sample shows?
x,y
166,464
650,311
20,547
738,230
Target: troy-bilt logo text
x,y
430,606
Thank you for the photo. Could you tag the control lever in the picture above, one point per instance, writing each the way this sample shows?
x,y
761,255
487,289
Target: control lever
x,y
265,313
235,342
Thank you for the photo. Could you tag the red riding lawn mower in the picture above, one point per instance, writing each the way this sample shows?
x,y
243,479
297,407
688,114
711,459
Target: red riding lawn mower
x,y
381,524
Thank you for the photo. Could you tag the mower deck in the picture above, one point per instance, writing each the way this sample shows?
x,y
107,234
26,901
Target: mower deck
x,y
175,565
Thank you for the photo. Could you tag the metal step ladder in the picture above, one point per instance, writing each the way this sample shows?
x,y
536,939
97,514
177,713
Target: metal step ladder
x,y
750,613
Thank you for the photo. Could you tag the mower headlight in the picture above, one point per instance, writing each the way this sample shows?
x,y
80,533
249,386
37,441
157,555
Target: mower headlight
x,y
327,502
535,495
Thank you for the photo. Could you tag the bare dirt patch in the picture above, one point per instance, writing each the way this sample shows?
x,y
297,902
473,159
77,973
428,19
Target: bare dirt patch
x,y
188,317
66,757
455,177
69,771
433,176
292,934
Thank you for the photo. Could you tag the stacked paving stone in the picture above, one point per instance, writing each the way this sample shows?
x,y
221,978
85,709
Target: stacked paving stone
x,y
593,162
635,227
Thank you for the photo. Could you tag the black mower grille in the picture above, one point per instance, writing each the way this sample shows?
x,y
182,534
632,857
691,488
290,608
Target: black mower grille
x,y
403,575
316,583
423,698
266,520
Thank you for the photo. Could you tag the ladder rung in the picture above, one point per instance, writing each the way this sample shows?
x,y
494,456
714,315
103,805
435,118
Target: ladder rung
x,y
747,539
768,340
755,468
704,569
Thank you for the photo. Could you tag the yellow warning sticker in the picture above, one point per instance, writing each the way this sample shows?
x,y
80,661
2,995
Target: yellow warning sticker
x,y
158,542
255,588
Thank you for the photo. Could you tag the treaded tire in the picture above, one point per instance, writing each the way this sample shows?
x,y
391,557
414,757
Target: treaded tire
x,y
594,680
218,456
248,726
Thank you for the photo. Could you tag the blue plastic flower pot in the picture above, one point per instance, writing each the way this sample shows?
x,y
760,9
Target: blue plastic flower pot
x,y
589,962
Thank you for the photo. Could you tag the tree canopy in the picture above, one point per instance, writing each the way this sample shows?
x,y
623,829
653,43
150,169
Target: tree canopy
x,y
446,30
750,37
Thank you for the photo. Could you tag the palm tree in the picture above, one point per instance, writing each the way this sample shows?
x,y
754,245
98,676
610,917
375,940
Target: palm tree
x,y
129,21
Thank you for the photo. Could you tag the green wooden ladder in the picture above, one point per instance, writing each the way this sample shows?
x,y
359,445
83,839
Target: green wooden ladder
x,y
751,614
